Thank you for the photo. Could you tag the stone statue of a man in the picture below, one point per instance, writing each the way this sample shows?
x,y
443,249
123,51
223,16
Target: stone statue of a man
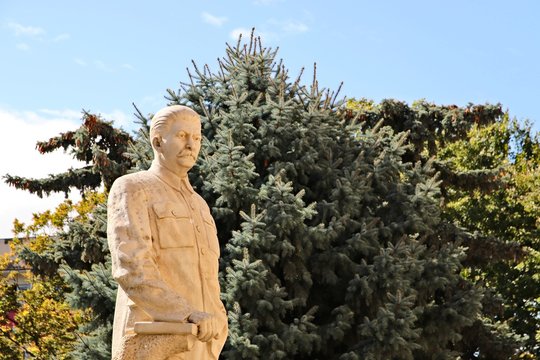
x,y
163,241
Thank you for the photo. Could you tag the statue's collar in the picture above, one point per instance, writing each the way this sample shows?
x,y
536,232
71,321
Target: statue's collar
x,y
170,178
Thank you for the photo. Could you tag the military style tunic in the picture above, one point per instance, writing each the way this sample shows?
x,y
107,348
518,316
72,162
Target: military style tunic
x,y
164,247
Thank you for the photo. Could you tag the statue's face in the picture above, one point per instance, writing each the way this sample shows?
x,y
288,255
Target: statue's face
x,y
180,145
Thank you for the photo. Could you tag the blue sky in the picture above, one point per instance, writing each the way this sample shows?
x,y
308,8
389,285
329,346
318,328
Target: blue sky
x,y
59,57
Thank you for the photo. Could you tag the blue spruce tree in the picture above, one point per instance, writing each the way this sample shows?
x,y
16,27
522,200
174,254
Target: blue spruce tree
x,y
333,244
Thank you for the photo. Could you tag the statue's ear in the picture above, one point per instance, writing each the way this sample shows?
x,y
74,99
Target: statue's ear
x,y
156,142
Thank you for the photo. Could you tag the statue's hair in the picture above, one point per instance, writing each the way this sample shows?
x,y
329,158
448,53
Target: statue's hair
x,y
162,119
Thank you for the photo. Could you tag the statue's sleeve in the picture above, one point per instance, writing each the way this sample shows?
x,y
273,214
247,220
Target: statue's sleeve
x,y
133,257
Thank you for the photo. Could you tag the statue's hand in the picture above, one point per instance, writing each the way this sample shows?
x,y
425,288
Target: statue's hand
x,y
206,323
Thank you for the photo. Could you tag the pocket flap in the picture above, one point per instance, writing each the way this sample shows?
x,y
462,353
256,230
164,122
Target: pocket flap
x,y
170,210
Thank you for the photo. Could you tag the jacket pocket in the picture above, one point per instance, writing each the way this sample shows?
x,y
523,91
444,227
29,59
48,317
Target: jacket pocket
x,y
174,225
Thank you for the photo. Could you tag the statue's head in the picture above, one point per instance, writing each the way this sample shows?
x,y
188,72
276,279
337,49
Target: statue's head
x,y
175,134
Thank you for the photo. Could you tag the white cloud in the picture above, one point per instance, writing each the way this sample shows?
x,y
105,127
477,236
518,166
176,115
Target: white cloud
x,y
294,26
246,34
272,31
266,36
66,114
288,26
18,136
102,66
19,29
120,118
212,19
23,46
80,62
235,33
62,37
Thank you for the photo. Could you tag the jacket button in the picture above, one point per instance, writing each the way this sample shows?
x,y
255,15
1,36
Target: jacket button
x,y
203,251
198,228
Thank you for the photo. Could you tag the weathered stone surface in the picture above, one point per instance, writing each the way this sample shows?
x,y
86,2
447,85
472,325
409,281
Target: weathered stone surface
x,y
158,328
165,250
154,347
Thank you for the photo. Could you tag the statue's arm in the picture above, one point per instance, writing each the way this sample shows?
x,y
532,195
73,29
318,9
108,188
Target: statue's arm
x,y
133,258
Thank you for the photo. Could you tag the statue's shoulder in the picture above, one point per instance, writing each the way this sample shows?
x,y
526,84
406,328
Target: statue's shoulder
x,y
133,182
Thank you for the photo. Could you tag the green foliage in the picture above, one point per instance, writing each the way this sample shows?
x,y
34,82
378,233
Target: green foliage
x,y
140,152
508,214
96,143
331,229
489,167
43,325
70,245
37,322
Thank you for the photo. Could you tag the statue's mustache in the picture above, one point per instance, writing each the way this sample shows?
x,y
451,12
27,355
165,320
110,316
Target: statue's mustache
x,y
186,153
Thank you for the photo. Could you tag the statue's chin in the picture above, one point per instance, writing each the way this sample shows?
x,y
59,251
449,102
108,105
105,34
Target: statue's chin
x,y
186,162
